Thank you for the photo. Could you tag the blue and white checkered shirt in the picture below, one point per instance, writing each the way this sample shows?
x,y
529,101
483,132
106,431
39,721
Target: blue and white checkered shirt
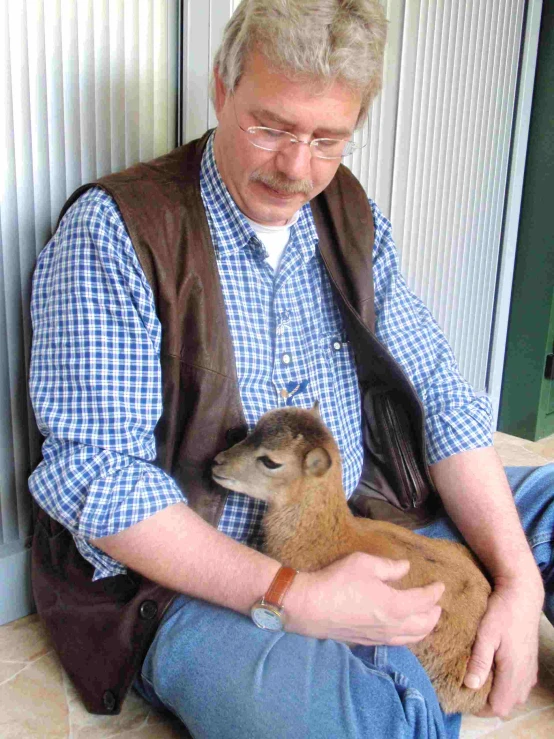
x,y
95,369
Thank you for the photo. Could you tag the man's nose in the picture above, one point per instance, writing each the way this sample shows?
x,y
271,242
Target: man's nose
x,y
295,161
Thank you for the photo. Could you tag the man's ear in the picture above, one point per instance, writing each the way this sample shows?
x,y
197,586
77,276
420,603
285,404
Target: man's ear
x,y
317,462
220,92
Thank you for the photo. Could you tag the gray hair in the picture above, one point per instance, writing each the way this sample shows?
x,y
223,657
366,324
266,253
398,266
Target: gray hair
x,y
321,39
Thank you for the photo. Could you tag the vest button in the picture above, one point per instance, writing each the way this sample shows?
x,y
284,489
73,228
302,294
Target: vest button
x,y
109,701
148,610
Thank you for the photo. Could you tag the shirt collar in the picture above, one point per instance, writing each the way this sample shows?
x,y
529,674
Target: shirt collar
x,y
232,230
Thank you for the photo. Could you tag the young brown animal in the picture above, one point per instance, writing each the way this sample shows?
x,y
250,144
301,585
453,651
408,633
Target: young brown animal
x,y
291,461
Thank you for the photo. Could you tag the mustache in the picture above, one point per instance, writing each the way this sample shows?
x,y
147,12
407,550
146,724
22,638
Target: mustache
x,y
282,184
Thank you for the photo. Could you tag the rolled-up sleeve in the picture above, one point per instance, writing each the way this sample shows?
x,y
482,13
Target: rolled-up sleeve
x,y
95,380
457,419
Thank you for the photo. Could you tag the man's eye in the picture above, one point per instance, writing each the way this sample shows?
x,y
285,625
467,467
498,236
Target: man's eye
x,y
269,463
270,133
331,145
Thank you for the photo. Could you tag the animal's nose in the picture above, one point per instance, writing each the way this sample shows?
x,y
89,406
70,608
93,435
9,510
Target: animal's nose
x,y
219,459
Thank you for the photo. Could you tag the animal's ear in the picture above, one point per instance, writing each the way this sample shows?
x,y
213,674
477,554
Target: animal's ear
x,y
317,462
314,410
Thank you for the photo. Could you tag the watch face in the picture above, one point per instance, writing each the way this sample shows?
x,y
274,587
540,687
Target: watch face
x,y
266,617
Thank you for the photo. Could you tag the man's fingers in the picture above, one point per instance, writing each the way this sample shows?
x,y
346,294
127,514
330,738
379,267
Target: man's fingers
x,y
480,663
416,627
414,600
427,596
511,686
418,600
388,570
414,613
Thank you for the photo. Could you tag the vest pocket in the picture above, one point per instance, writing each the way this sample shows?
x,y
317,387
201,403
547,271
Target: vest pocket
x,y
396,438
391,468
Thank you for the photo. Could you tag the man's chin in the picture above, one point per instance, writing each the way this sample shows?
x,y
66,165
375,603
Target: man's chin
x,y
273,210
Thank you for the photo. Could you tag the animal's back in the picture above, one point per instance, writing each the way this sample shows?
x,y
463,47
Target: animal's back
x,y
445,652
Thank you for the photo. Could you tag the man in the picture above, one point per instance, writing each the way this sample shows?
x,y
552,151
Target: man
x,y
132,332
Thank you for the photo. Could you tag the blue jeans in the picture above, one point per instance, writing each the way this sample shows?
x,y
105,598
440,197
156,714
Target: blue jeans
x,y
226,679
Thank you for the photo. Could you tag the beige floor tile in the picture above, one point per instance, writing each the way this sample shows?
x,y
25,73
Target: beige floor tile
x,y
473,727
33,704
158,726
24,640
514,451
134,715
538,725
137,720
21,643
544,447
9,670
541,697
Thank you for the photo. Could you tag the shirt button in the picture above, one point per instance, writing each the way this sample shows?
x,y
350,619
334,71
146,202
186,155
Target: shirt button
x,y
337,345
285,358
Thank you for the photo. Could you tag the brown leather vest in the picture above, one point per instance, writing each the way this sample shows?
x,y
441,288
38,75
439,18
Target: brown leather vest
x,y
102,630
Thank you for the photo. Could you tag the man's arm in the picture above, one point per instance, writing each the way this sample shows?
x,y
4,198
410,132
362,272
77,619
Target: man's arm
x,y
468,475
95,380
476,494
349,600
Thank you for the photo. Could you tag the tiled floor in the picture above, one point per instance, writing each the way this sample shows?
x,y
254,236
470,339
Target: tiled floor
x,y
38,701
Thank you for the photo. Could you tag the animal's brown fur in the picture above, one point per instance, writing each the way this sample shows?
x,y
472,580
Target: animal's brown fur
x,y
309,525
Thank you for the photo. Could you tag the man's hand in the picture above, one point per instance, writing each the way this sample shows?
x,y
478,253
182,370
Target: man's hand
x,y
508,638
351,601
477,496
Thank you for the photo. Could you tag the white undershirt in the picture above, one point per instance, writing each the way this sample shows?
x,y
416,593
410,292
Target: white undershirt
x,y
274,238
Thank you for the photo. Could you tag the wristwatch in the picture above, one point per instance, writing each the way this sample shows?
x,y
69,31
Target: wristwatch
x,y
267,613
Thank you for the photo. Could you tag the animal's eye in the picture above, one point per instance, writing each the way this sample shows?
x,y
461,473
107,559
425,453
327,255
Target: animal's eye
x,y
269,463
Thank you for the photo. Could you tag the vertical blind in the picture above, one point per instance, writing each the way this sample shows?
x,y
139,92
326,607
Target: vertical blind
x,y
87,87
438,156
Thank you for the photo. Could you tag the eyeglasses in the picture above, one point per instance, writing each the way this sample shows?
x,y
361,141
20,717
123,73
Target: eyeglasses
x,y
273,139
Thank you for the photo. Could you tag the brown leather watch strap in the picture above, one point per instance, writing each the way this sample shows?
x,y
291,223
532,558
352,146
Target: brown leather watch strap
x,y
278,588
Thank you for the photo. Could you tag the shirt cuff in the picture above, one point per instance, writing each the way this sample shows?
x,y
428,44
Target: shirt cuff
x,y
124,498
115,503
459,430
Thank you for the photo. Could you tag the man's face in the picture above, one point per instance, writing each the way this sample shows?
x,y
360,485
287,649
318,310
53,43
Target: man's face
x,y
258,179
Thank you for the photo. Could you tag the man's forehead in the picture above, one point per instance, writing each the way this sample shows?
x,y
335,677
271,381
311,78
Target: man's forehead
x,y
263,87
